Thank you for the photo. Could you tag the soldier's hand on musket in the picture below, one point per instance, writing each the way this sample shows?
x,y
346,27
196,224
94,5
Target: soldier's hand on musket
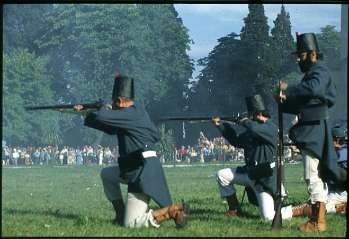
x,y
282,88
243,119
78,108
107,106
216,121
283,85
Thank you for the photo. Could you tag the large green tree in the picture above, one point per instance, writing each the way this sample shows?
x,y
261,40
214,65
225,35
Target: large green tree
x,y
258,72
330,44
86,43
23,24
26,81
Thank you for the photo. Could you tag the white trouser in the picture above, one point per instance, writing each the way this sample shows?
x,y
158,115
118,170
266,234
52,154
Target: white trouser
x,y
136,212
226,179
316,187
334,198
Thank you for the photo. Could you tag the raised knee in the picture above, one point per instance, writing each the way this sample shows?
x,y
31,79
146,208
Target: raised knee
x,y
221,177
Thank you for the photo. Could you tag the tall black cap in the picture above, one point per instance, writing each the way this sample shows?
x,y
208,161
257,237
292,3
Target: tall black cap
x,y
306,42
338,132
255,103
123,86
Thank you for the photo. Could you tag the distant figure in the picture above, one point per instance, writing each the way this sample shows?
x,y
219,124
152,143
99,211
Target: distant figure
x,y
15,156
78,155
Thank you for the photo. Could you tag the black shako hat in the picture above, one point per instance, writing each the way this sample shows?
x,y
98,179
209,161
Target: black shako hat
x,y
306,42
338,132
123,86
255,104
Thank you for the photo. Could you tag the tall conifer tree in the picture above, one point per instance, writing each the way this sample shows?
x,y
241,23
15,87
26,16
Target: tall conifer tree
x,y
283,44
258,73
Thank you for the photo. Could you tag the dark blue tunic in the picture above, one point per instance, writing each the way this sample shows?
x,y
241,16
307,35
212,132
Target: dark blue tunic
x,y
136,134
310,100
259,141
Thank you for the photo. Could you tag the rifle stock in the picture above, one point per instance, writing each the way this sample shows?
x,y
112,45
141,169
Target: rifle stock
x,y
277,220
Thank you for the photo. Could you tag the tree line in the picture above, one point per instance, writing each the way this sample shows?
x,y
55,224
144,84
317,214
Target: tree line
x,y
252,62
67,53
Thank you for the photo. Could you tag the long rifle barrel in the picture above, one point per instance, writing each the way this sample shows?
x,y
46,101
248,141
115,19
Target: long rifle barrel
x,y
277,220
203,118
96,105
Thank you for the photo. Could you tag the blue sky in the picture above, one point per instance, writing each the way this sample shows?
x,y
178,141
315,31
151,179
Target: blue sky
x,y
208,22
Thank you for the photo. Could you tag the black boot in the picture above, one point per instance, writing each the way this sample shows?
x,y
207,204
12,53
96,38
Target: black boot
x,y
119,208
233,204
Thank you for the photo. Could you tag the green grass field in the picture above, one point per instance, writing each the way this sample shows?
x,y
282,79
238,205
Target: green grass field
x,y
69,201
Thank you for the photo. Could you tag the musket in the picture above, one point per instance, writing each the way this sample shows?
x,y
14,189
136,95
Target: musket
x,y
86,106
234,118
277,220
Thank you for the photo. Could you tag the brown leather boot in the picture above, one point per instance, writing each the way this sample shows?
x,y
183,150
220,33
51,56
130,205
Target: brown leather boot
x,y
234,207
317,222
119,208
177,212
302,210
341,207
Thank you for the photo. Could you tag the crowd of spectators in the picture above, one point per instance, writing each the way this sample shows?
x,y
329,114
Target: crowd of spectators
x,y
53,155
216,149
219,149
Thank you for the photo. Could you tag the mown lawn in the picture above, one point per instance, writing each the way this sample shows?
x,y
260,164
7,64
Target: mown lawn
x,y
69,201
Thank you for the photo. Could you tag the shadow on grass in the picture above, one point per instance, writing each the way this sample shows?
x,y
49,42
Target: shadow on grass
x,y
59,214
202,209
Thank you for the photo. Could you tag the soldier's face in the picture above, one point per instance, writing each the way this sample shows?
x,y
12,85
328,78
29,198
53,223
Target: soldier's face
x,y
260,118
123,102
301,57
306,60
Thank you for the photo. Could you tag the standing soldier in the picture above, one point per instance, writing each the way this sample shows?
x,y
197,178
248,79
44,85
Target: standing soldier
x,y
310,100
139,166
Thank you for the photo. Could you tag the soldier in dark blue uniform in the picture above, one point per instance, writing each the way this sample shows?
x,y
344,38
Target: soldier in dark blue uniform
x,y
257,135
310,100
138,164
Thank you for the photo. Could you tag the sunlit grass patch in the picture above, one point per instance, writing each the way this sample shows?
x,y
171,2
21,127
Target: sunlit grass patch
x,y
53,201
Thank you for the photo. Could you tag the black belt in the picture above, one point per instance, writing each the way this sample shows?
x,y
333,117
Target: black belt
x,y
134,160
313,113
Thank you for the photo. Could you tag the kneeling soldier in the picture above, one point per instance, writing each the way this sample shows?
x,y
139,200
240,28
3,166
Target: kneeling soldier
x,y
138,164
257,135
